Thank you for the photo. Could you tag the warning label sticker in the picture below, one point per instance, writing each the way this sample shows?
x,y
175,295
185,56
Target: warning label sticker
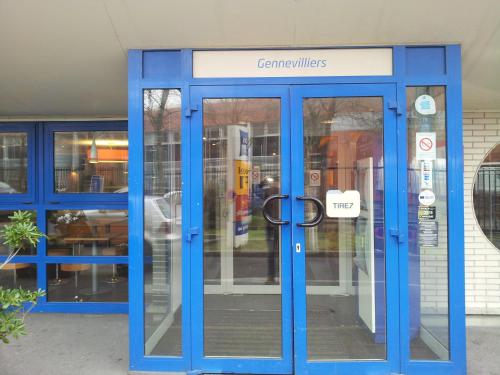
x,y
425,146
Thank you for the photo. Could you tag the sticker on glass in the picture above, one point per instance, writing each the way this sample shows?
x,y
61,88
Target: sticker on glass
x,y
426,213
425,105
346,204
428,234
426,197
315,177
426,174
425,144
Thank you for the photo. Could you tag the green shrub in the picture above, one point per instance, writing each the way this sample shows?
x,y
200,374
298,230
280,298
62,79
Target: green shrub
x,y
15,304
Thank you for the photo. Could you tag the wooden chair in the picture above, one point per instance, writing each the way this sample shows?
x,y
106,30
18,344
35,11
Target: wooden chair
x,y
76,268
57,252
114,251
14,267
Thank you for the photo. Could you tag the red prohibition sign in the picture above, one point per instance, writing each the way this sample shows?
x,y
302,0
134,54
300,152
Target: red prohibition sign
x,y
425,144
315,176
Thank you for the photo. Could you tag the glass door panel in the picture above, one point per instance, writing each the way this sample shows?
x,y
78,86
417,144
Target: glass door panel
x,y
345,269
241,273
241,251
345,261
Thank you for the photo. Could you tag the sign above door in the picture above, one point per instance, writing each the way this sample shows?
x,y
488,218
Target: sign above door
x,y
292,63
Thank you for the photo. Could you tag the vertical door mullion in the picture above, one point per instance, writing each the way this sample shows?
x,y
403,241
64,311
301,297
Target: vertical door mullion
x,y
196,215
392,243
286,265
298,236
185,225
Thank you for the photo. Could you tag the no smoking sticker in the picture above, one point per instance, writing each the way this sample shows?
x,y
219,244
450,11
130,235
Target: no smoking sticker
x,y
314,177
425,146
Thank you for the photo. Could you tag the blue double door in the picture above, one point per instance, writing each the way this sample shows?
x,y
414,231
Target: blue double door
x,y
294,262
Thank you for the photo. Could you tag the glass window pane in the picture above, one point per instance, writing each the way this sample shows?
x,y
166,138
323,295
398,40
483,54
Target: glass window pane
x,y
5,250
87,232
486,193
162,223
241,251
428,222
87,282
18,275
91,162
13,163
345,257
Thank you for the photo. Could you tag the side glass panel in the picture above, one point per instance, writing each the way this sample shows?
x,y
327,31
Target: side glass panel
x,y
5,250
428,223
162,223
87,232
241,251
13,163
91,162
345,256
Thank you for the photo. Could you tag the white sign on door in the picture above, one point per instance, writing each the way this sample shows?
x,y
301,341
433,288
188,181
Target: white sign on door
x,y
425,144
346,204
315,177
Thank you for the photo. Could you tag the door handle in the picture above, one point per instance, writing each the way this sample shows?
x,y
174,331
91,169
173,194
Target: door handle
x,y
266,215
396,233
320,212
191,232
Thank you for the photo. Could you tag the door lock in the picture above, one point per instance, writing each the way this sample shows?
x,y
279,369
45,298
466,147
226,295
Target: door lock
x,y
297,247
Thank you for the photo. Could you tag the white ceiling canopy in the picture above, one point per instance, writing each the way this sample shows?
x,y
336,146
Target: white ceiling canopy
x,y
68,58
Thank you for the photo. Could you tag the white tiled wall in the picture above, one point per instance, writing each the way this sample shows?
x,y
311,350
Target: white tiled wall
x,y
482,259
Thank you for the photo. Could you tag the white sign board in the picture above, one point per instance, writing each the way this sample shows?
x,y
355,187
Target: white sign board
x,y
425,144
315,177
293,63
346,204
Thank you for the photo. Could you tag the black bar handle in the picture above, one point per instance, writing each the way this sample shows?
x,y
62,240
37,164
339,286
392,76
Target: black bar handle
x,y
320,212
266,215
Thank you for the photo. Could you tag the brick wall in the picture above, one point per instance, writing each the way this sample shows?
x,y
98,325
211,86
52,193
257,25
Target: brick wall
x,y
482,259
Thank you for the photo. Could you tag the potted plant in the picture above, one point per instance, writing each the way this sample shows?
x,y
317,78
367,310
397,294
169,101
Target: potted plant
x,y
15,304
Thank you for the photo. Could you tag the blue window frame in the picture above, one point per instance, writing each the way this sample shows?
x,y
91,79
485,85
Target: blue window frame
x,y
42,200
53,129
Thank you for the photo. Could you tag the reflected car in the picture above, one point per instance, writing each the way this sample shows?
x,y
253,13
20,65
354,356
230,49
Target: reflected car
x,y
163,217
6,189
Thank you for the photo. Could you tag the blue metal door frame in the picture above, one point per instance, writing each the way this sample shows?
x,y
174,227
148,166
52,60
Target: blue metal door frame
x,y
281,365
412,66
293,315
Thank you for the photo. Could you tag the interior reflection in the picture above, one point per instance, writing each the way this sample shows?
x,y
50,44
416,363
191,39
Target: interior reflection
x,y
91,162
13,163
162,223
242,273
345,256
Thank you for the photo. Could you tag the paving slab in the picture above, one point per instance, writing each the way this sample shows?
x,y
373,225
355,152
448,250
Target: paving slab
x,y
69,344
73,344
